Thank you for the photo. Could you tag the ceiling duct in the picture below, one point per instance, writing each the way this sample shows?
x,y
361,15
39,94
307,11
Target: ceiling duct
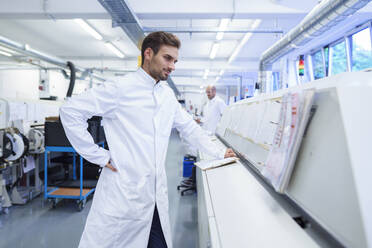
x,y
212,30
123,16
324,16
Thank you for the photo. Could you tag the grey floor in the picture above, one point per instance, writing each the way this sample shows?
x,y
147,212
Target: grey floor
x,y
36,224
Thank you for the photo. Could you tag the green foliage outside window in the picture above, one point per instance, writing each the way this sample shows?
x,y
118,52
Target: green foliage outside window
x,y
318,65
339,62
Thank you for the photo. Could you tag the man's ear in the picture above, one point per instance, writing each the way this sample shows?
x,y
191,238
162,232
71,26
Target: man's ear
x,y
148,53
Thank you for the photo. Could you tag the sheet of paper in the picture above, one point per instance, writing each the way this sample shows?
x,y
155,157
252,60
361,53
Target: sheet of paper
x,y
210,164
17,111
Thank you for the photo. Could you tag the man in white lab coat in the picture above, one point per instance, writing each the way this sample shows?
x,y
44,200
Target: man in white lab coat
x,y
130,205
212,111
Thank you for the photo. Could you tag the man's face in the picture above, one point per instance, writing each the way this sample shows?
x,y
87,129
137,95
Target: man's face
x,y
163,63
210,93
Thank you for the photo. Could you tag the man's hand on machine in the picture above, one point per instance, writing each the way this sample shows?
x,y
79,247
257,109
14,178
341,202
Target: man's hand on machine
x,y
108,165
229,153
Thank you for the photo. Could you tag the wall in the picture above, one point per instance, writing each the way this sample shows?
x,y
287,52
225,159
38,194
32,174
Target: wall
x,y
59,85
19,84
196,99
23,84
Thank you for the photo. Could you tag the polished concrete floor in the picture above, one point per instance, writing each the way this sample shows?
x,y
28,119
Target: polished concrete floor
x,y
37,224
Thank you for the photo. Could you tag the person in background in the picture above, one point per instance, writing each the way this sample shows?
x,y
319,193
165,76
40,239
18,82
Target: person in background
x,y
212,111
130,204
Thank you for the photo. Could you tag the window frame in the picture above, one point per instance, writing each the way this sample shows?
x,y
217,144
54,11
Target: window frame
x,y
310,66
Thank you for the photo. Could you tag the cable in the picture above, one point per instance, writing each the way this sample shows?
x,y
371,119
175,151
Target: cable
x,y
72,78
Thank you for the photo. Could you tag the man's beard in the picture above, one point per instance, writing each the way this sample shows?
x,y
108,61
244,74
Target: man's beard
x,y
159,75
163,77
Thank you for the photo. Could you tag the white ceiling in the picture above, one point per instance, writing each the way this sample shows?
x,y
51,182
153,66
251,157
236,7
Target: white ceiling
x,y
48,26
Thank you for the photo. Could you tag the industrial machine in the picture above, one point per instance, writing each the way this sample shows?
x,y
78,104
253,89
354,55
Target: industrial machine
x,y
21,143
303,178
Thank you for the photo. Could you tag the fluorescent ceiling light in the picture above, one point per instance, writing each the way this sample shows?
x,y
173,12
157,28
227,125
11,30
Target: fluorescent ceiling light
x,y
88,29
5,53
243,41
114,50
206,72
214,50
223,25
222,72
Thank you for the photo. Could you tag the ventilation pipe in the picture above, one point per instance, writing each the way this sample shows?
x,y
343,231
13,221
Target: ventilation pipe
x,y
324,16
27,51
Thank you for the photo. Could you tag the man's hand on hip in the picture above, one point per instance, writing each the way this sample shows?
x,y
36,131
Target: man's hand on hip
x,y
108,165
229,153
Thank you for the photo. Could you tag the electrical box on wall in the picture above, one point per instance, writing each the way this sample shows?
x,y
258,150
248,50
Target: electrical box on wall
x,y
44,86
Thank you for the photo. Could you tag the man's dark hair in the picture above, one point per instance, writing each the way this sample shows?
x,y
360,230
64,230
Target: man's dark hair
x,y
157,39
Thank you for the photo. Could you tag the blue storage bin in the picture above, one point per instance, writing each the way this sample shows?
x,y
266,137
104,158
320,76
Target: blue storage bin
x,y
187,167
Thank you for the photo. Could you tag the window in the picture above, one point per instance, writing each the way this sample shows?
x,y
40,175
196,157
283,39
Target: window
x,y
339,60
275,78
351,53
318,68
361,52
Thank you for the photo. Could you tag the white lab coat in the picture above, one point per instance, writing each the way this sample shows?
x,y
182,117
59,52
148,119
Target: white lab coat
x,y
138,115
212,113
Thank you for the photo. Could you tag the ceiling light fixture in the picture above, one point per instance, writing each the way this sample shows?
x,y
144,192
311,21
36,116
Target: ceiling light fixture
x,y
243,41
88,29
214,50
114,50
223,25
206,72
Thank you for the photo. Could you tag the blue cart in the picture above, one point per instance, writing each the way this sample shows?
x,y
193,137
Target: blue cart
x,y
79,194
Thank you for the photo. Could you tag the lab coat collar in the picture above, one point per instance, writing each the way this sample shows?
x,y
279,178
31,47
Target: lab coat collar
x,y
145,76
213,99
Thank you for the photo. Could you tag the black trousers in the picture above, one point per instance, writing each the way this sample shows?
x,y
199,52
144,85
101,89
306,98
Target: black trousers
x,y
156,239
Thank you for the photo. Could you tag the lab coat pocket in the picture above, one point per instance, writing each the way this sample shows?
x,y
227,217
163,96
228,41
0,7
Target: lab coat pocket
x,y
121,199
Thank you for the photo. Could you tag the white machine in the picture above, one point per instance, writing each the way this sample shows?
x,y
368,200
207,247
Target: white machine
x,y
15,147
21,143
37,140
327,189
